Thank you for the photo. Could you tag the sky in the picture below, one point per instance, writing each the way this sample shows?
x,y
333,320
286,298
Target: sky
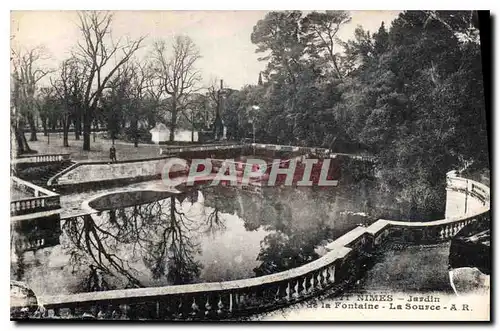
x,y
223,37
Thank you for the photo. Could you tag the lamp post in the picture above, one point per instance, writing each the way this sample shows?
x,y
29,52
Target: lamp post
x,y
192,124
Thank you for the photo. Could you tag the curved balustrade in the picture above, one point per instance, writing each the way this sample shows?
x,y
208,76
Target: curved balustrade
x,y
41,200
339,267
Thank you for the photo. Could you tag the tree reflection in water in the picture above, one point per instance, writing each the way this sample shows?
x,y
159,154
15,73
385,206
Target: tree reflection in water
x,y
297,222
159,243
158,234
298,228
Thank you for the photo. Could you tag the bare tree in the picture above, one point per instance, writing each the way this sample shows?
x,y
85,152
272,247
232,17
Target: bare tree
x,y
96,53
177,75
26,74
68,88
139,75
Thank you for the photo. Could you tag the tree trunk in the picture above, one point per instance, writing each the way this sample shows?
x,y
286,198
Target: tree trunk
x,y
45,121
135,126
25,143
31,122
87,121
19,141
173,121
65,132
113,136
95,130
77,123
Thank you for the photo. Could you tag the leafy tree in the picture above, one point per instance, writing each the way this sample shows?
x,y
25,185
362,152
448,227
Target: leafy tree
x,y
320,32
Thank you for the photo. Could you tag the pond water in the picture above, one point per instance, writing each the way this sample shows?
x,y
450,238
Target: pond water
x,y
205,234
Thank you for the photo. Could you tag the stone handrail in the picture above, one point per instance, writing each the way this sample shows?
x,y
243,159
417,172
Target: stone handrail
x,y
337,268
29,187
320,151
215,147
41,199
41,158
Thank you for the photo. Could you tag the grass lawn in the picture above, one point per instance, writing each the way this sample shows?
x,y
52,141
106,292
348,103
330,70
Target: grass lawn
x,y
99,148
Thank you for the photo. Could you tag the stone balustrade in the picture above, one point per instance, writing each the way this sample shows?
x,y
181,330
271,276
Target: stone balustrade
x,y
345,261
41,199
41,158
322,152
38,241
210,147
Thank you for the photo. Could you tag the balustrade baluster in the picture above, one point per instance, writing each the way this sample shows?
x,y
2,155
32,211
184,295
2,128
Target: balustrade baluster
x,y
241,299
57,312
277,295
220,305
101,314
332,273
179,308
319,278
288,291
195,309
208,307
296,289
325,276
304,285
311,288
230,302
236,300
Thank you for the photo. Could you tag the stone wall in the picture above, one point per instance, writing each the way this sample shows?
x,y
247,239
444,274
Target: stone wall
x,y
91,172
